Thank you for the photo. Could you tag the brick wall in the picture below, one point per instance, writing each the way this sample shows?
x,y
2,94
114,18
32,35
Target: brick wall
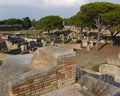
x,y
39,81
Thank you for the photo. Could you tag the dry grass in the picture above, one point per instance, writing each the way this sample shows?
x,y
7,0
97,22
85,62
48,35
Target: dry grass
x,y
93,57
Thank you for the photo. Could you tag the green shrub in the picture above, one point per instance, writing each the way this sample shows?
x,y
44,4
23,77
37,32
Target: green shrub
x,y
96,68
1,62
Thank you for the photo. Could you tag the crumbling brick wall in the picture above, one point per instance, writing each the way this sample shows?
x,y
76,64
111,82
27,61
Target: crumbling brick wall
x,y
39,81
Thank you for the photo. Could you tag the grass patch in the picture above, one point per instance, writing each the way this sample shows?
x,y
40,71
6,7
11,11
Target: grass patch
x,y
118,66
96,68
1,62
3,50
22,31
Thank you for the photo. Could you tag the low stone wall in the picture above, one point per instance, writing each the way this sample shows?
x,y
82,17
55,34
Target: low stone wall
x,y
113,61
98,87
111,70
43,80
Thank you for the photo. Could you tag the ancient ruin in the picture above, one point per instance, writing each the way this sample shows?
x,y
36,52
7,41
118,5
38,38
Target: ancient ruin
x,y
112,68
48,69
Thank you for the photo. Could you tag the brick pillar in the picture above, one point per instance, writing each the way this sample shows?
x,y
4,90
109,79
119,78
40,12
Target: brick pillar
x,y
66,72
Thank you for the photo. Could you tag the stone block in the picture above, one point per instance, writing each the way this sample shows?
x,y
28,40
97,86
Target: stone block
x,y
113,61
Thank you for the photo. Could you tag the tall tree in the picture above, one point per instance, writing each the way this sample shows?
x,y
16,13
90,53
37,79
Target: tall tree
x,y
33,22
112,21
93,12
27,23
79,20
49,23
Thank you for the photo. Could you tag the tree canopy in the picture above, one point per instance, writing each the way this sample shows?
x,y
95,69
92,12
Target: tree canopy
x,y
11,24
97,8
27,23
97,14
79,20
93,11
111,18
15,24
49,23
12,21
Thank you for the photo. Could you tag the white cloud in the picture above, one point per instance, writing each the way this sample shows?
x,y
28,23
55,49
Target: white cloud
x,y
43,3
64,3
18,2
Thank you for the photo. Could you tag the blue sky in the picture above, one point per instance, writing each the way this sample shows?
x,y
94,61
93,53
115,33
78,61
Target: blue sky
x,y
35,9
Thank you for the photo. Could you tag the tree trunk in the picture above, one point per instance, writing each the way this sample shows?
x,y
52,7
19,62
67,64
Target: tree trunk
x,y
98,24
48,32
81,30
112,39
98,39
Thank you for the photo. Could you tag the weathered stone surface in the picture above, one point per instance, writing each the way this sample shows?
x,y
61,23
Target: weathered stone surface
x,y
51,68
117,78
11,69
15,64
98,87
111,70
48,55
71,90
114,61
4,56
119,55
42,59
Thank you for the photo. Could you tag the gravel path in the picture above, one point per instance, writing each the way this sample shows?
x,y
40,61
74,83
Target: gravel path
x,y
93,57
